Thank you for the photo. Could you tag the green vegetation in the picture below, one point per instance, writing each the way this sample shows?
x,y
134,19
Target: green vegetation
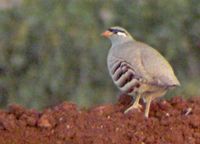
x,y
51,50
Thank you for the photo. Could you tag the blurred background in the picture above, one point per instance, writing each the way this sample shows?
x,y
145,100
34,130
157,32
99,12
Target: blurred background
x,y
52,51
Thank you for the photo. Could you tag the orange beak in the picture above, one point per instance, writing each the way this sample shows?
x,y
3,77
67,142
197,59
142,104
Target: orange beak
x,y
107,34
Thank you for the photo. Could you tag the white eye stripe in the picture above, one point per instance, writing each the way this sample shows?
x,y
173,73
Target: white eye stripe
x,y
121,34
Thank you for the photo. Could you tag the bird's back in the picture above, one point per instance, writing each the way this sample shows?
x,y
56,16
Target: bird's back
x,y
157,66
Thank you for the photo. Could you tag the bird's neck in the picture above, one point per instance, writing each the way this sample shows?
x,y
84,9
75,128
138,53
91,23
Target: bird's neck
x,y
117,40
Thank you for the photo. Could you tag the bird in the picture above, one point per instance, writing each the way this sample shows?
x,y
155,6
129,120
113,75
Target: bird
x,y
138,69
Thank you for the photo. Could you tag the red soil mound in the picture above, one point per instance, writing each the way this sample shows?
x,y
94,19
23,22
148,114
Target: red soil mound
x,y
176,121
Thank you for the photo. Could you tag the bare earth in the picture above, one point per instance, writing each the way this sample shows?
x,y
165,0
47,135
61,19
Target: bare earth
x,y
176,121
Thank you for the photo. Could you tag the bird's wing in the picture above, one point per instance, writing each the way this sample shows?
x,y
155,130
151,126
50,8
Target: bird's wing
x,y
157,66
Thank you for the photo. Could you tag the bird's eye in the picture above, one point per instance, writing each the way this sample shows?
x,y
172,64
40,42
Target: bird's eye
x,y
118,32
113,30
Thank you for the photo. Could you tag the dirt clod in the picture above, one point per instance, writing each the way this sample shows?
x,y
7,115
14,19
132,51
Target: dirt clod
x,y
175,121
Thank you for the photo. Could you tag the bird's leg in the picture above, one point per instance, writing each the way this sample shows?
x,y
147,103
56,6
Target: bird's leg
x,y
148,103
135,105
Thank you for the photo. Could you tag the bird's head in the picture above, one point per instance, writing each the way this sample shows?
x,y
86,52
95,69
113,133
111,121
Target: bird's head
x,y
117,34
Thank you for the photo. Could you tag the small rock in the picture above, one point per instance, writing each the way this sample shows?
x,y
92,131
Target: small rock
x,y
44,122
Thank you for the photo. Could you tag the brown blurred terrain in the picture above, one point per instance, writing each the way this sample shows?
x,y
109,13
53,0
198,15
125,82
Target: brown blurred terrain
x,y
51,51
174,121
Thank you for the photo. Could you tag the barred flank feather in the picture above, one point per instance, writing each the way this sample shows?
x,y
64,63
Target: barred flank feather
x,y
124,77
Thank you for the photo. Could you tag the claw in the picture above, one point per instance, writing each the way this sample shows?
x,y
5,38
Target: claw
x,y
134,106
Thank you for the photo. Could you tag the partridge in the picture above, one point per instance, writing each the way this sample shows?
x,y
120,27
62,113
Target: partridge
x,y
138,69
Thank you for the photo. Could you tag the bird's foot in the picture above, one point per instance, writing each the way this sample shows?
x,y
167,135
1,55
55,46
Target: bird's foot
x,y
134,106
